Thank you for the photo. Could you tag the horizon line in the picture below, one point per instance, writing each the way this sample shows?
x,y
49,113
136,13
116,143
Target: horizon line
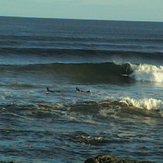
x,y
84,19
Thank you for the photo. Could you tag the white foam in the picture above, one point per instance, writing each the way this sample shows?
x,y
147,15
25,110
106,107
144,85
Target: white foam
x,y
145,72
147,103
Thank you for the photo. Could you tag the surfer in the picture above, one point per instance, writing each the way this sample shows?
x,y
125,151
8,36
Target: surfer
x,y
78,90
127,70
48,90
127,67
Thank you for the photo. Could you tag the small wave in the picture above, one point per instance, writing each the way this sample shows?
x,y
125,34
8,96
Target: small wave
x,y
145,72
150,104
129,108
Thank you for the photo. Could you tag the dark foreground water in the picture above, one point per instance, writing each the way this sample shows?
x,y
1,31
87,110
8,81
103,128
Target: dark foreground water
x,y
121,63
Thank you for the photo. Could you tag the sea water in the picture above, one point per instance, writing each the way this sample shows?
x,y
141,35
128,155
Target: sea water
x,y
120,63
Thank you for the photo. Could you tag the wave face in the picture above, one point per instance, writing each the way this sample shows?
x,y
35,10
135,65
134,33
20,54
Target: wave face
x,y
109,72
83,72
118,68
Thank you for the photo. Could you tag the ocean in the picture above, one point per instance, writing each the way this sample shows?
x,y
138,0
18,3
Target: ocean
x,y
75,89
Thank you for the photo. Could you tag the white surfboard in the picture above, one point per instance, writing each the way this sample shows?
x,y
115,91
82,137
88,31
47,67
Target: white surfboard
x,y
127,75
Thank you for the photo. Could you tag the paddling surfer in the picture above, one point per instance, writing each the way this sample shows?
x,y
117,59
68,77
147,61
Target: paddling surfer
x,y
48,90
78,90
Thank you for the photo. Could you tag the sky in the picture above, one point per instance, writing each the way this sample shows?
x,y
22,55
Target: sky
x,y
131,10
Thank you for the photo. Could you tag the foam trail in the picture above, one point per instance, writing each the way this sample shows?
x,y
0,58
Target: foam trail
x,y
145,72
145,103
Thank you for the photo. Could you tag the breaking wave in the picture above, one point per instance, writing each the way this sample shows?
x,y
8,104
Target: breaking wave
x,y
91,72
145,72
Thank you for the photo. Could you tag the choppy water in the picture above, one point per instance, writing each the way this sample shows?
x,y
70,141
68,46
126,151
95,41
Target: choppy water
x,y
121,115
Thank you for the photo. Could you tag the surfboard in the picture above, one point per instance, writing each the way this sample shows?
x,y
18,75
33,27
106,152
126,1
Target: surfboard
x,y
126,75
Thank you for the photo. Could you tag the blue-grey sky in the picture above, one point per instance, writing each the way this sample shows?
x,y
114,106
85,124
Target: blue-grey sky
x,y
134,10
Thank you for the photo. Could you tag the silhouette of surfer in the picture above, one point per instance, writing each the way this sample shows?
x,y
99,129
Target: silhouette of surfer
x,y
78,90
127,67
128,71
48,90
